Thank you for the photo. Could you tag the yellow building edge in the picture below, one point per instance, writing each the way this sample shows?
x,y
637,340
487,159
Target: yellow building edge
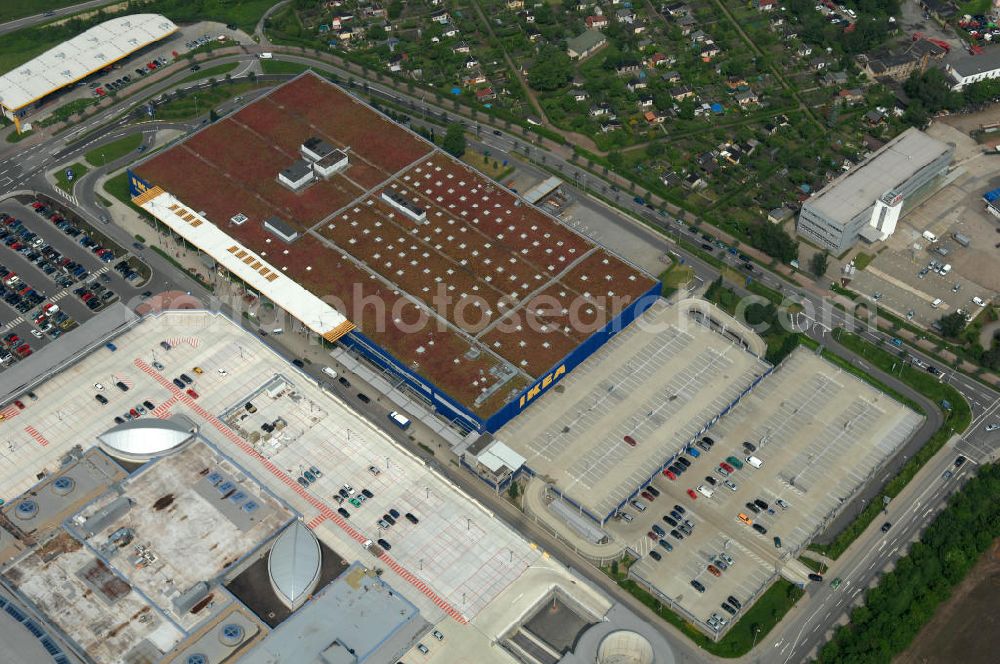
x,y
338,331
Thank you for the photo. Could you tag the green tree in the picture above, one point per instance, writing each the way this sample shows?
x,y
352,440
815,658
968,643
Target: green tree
x,y
551,71
454,140
774,241
212,115
819,263
952,324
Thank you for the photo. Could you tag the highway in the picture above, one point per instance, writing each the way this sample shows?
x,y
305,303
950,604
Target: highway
x,y
23,167
48,17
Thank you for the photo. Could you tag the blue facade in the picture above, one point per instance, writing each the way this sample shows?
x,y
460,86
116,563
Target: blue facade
x,y
136,185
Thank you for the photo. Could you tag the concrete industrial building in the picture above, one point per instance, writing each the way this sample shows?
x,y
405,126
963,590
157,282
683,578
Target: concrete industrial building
x,y
96,49
868,201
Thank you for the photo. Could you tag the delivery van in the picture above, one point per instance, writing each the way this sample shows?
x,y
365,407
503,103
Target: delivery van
x,y
754,461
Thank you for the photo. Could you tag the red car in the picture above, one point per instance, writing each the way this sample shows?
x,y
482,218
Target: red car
x,y
651,535
647,495
630,440
134,413
714,571
725,466
693,495
19,404
192,394
38,205
669,474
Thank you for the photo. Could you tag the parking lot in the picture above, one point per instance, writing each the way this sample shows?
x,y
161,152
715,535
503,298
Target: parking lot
x,y
820,435
45,265
457,556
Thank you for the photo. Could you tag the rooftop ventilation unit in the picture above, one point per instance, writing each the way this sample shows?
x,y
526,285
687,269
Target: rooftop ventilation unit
x,y
63,485
197,658
26,509
250,507
231,635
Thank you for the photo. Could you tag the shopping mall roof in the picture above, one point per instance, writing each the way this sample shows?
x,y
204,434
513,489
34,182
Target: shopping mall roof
x,y
77,58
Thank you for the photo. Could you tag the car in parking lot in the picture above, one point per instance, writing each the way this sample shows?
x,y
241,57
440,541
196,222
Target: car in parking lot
x,y
659,531
344,513
629,440
726,467
722,471
711,480
655,555
412,518
731,485
179,383
749,447
753,508
886,526
782,504
669,520
713,570
728,609
759,528
777,542
760,503
681,461
744,518
959,460
192,394
816,577
691,494
733,461
696,584
101,399
638,505
666,545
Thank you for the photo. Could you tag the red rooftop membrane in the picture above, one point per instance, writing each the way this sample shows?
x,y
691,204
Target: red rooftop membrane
x,y
377,240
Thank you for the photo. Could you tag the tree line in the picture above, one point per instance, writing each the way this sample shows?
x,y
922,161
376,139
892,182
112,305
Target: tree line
x,y
906,598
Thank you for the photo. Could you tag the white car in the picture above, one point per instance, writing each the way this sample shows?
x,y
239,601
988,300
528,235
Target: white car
x,y
36,334
992,427
223,372
98,386
978,301
349,489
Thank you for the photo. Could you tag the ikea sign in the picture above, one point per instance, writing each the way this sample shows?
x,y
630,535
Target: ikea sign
x,y
136,185
542,385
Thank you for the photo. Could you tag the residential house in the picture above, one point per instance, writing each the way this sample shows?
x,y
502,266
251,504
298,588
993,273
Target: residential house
x,y
698,36
599,111
396,63
835,79
625,70
636,84
610,126
686,25
818,64
672,76
471,63
653,118
580,95
779,215
874,117
897,66
645,103
746,98
440,16
515,4
804,51
638,28
461,47
851,96
731,153
625,16
735,83
770,128
597,22
694,181
485,94
675,9
765,5
681,93
657,60
528,17
473,79
708,163
450,31
590,41
709,51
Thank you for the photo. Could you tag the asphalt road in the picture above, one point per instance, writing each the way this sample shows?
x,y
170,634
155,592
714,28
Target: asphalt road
x,y
797,635
27,21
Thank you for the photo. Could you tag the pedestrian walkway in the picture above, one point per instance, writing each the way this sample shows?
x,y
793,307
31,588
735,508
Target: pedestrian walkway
x,y
535,503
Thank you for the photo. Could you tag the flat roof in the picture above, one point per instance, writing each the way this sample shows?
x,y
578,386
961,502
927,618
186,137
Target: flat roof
x,y
506,290
77,58
661,381
255,270
888,168
358,609
971,65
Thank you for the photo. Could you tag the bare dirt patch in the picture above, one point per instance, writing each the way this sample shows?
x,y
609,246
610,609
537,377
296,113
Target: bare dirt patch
x,y
963,628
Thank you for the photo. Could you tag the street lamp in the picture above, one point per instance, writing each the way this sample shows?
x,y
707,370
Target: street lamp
x,y
756,631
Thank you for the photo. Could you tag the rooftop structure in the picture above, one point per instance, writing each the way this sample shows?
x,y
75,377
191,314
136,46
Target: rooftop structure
x,y
75,59
873,193
293,564
148,438
481,300
358,618
585,43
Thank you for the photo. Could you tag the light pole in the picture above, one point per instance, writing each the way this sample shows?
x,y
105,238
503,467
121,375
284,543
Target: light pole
x,y
756,631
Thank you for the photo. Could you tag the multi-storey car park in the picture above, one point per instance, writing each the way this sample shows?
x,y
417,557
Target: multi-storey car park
x,y
371,237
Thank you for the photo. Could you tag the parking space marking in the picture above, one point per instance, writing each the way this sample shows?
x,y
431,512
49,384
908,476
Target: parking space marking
x,y
34,433
286,479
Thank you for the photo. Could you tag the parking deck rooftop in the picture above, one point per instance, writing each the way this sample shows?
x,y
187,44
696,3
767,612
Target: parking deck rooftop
x,y
660,382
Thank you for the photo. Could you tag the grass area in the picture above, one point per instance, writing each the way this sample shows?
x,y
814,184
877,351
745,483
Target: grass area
x,y
109,152
193,104
840,290
218,71
282,67
676,276
862,260
63,182
66,111
754,623
118,188
14,137
814,565
491,167
974,7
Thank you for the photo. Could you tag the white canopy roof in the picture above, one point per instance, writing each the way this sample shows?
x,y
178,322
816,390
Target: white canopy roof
x,y
294,564
81,56
145,437
255,271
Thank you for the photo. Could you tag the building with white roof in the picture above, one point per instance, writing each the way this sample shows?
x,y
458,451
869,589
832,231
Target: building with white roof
x,y
148,438
74,60
293,565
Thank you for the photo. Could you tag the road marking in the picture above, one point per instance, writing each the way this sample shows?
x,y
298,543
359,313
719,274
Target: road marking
x,y
882,545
